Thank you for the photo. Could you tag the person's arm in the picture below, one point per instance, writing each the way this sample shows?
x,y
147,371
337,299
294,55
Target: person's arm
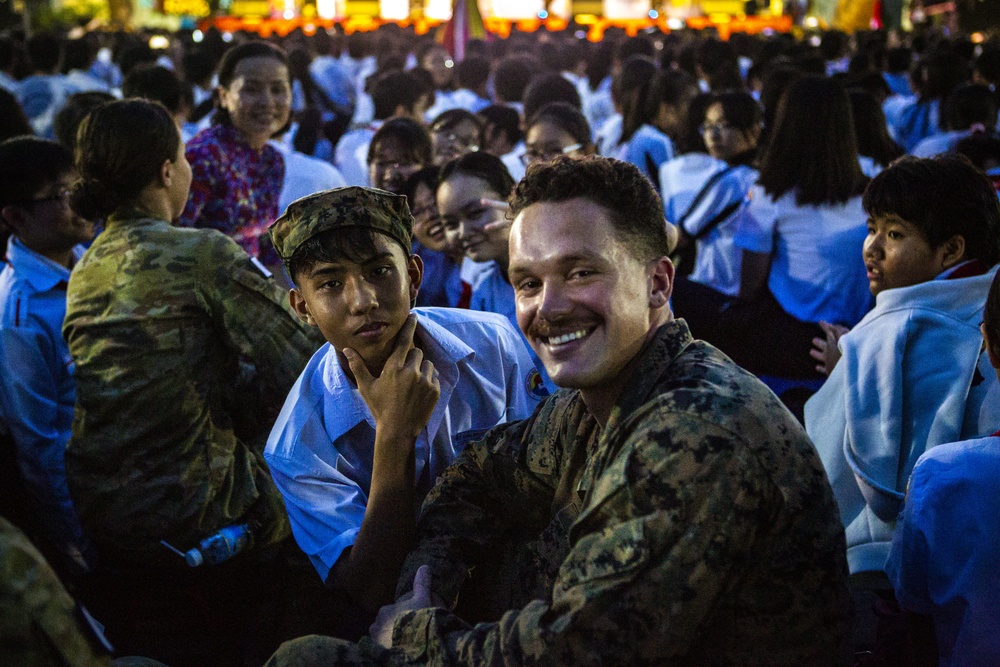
x,y
29,373
635,588
754,271
501,485
756,228
401,400
252,315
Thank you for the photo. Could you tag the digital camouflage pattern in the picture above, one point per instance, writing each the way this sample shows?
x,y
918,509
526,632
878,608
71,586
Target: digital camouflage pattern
x,y
38,622
707,533
353,206
184,353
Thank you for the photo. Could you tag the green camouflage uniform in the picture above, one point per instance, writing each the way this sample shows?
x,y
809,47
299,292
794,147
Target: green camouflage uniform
x,y
184,353
706,532
38,622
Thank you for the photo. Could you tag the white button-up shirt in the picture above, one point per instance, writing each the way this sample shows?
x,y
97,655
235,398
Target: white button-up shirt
x,y
321,449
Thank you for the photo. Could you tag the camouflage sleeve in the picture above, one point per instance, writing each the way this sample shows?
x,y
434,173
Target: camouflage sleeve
x,y
253,313
663,535
39,623
502,485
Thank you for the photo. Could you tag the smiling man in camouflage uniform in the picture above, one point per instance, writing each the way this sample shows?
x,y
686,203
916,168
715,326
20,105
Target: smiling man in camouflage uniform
x,y
677,512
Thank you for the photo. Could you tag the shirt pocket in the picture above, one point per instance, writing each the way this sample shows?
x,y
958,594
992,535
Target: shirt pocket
x,y
599,558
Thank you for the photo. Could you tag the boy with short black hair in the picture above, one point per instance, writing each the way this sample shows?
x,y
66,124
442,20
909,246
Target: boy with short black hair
x,y
35,366
380,411
913,374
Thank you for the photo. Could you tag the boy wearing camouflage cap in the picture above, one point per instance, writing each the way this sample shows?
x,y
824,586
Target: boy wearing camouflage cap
x,y
385,406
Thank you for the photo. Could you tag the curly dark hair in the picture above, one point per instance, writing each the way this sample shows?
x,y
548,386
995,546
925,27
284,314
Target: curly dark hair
x,y
619,187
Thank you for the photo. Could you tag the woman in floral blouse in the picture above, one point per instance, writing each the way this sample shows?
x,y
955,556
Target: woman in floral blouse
x,y
237,175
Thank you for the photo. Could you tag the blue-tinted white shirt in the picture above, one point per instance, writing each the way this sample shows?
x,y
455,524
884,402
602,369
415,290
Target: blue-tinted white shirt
x,y
321,449
37,393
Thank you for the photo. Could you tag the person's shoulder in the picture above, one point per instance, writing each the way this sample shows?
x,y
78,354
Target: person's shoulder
x,y
302,405
467,324
15,298
704,387
945,464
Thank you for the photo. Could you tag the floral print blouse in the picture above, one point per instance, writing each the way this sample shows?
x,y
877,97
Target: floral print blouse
x,y
234,188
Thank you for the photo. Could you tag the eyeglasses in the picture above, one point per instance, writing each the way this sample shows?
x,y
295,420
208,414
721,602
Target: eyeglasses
x,y
722,127
62,197
451,139
383,167
548,153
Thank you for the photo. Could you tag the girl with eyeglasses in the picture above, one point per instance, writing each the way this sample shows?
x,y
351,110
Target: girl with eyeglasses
x,y
557,129
703,193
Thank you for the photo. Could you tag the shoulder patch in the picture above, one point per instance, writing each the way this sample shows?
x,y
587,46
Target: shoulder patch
x,y
535,385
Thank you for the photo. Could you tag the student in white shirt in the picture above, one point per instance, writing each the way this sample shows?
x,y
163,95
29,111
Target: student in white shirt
x,y
471,195
913,373
801,235
640,143
704,204
378,412
947,543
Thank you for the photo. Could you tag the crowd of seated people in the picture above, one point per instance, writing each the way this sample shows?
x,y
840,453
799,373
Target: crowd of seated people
x,y
662,349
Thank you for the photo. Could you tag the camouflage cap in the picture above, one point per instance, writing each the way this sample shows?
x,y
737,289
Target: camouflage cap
x,y
352,206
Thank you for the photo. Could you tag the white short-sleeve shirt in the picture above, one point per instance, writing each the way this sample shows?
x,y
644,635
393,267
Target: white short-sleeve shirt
x,y
817,270
321,448
719,261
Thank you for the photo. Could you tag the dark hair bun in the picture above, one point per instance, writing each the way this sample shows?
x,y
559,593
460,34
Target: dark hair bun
x,y
92,200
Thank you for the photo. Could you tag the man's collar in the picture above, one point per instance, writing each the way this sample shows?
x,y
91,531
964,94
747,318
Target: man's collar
x,y
40,272
653,360
441,347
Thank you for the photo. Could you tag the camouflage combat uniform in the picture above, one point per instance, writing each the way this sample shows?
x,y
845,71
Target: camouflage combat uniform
x,y
38,622
706,532
184,353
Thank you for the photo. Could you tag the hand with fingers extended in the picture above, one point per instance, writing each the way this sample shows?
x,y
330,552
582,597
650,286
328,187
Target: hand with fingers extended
x,y
403,396
496,205
825,350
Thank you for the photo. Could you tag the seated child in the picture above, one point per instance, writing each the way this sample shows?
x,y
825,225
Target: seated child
x,y
912,374
35,367
382,409
945,550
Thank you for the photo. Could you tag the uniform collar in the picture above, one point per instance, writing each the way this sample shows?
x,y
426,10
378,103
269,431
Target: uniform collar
x,y
669,341
441,347
40,272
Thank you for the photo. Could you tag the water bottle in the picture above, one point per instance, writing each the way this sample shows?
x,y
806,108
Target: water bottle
x,y
221,546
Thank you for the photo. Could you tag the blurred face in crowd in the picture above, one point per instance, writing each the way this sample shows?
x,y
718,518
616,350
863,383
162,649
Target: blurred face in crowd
x,y
392,163
438,62
465,217
45,222
898,254
427,227
545,141
725,142
360,304
455,142
585,302
258,98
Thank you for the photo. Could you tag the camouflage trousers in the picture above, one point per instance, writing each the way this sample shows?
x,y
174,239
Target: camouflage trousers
x,y
318,651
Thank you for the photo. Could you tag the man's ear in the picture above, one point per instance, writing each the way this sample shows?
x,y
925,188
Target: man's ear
x,y
299,305
12,218
415,270
991,349
954,251
661,282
